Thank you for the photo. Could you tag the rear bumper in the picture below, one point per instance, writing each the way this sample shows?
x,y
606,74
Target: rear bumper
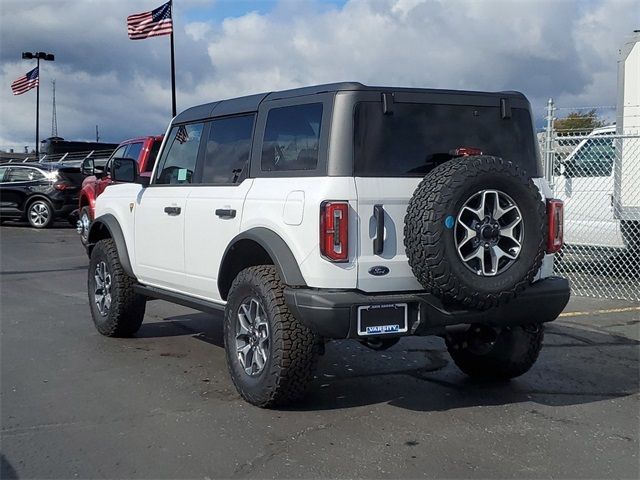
x,y
333,313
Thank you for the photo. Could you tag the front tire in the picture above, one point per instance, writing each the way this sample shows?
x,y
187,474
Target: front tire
x,y
116,309
40,214
512,353
271,356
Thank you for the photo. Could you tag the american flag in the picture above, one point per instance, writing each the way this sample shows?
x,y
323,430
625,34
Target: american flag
x,y
182,136
25,82
150,24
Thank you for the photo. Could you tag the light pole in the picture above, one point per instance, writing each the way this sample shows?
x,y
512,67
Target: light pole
x,y
38,56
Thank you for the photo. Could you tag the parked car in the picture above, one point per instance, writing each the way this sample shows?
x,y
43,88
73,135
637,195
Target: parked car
x,y
339,211
143,150
39,193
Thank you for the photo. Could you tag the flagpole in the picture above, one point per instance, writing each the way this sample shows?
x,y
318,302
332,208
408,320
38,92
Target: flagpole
x,y
173,70
38,113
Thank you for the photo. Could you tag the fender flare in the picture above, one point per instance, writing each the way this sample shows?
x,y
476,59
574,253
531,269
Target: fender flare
x,y
276,248
110,223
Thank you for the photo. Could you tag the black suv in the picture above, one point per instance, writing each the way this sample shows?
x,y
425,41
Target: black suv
x,y
39,193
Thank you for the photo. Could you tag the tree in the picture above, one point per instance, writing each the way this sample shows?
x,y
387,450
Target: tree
x,y
586,121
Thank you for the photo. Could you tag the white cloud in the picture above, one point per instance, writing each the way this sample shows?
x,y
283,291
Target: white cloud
x,y
567,50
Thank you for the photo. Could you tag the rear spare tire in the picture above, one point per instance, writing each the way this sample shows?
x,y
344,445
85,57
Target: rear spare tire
x,y
475,231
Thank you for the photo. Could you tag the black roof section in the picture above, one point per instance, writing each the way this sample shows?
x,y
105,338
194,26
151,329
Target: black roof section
x,y
252,102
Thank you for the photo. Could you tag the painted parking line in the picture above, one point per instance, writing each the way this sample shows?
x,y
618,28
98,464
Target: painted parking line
x,y
600,312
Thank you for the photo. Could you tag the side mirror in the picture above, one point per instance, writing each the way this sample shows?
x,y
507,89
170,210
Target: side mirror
x,y
124,170
88,167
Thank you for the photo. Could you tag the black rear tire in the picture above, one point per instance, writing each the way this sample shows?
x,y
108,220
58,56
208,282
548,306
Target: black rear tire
x,y
122,313
292,348
513,353
431,226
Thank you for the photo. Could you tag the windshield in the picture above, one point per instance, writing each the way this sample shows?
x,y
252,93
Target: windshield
x,y
417,137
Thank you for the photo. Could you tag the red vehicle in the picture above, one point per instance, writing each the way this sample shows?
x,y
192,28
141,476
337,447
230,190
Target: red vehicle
x,y
142,149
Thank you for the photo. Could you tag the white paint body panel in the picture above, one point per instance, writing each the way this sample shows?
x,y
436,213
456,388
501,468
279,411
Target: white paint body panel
x,y
206,235
183,253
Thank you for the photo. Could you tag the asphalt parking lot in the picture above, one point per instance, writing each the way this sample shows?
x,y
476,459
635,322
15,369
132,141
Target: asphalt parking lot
x,y
161,405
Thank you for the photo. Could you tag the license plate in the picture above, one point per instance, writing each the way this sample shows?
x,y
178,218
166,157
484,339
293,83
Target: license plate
x,y
382,319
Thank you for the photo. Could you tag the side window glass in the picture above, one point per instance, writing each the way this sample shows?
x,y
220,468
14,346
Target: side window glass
x,y
134,151
3,171
179,160
291,138
228,148
23,175
594,159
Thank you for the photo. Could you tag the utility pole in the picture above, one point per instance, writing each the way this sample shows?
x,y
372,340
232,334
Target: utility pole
x,y
54,118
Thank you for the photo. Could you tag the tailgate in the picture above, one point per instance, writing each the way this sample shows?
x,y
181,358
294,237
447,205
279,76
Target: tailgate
x,y
396,193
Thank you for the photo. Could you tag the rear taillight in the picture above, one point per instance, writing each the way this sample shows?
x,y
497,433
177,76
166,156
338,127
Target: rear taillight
x,y
61,185
334,231
555,219
465,152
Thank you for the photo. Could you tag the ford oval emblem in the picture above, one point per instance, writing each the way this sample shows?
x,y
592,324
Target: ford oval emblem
x,y
378,270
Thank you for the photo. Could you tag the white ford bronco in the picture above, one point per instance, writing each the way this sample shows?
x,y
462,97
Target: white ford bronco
x,y
333,212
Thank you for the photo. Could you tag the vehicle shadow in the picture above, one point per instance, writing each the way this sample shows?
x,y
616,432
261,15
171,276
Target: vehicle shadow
x,y
577,365
61,224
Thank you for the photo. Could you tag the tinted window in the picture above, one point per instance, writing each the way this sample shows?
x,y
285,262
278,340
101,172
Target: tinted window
x,y
594,159
179,160
153,156
134,151
2,172
292,137
416,137
24,175
228,148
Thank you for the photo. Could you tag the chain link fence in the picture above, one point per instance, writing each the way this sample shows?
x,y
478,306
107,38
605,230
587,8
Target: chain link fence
x,y
597,175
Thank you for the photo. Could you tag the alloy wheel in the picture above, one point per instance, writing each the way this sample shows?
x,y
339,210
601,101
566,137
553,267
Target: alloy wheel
x,y
102,289
489,232
252,336
39,214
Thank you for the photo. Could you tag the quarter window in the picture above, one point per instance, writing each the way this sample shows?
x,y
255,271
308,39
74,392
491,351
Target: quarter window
x,y
3,170
228,148
291,138
178,163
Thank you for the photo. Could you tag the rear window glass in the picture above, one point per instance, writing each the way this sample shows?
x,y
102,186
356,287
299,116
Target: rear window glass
x,y
417,137
292,138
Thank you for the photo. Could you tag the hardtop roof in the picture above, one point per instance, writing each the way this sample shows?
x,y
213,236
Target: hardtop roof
x,y
251,103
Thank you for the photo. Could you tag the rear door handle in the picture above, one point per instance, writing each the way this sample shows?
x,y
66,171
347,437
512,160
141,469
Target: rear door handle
x,y
226,213
378,241
172,210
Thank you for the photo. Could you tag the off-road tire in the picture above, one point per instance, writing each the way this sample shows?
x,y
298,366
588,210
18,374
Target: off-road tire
x,y
127,308
514,352
429,240
40,202
293,350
